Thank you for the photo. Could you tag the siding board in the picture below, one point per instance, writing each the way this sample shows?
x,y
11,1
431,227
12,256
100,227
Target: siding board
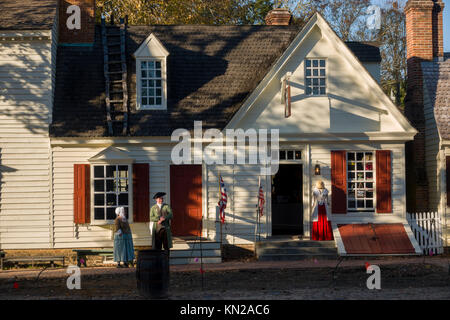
x,y
25,103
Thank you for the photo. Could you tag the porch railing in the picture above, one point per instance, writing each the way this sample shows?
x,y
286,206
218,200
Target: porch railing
x,y
427,229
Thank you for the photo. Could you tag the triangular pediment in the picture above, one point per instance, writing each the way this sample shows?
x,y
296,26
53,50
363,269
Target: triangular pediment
x,y
354,102
151,48
112,154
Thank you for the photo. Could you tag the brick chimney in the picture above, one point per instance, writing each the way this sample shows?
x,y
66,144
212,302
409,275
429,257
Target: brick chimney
x,y
424,40
278,17
86,33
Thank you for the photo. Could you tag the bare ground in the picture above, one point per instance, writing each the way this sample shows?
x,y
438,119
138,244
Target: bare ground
x,y
404,279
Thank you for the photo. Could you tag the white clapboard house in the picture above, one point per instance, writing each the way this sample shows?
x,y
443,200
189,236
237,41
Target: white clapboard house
x,y
86,119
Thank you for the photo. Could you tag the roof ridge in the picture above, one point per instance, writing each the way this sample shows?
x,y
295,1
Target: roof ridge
x,y
213,26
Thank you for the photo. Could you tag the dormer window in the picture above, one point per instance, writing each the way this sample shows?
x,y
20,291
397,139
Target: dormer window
x,y
151,84
151,75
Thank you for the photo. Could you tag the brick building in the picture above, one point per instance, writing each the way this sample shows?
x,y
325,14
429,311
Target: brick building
x,y
428,108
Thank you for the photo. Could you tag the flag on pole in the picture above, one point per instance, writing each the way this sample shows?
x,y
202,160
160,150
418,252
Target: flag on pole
x,y
223,199
261,200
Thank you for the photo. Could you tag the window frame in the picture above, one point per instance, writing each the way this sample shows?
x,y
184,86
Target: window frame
x,y
163,105
374,180
92,192
315,77
294,154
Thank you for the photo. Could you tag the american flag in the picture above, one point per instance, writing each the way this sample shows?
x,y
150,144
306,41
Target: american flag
x,y
261,201
223,199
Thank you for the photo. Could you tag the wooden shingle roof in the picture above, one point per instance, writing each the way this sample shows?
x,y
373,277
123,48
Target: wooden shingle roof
x,y
210,72
365,51
436,77
27,14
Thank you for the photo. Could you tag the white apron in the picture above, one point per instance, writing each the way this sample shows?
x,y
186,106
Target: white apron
x,y
320,196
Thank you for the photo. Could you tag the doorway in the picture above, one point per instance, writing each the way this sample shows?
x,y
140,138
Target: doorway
x,y
287,200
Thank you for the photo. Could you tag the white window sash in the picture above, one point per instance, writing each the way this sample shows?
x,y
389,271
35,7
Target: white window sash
x,y
355,181
163,105
93,192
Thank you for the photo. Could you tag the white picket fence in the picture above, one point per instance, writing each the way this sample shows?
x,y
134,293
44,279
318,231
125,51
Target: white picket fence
x,y
427,229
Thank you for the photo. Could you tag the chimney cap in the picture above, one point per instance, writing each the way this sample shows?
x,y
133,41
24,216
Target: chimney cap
x,y
278,17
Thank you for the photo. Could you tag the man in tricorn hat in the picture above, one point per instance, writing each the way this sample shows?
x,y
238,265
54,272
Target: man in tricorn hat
x,y
161,214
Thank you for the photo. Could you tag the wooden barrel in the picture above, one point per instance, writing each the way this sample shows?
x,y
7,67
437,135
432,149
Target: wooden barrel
x,y
152,274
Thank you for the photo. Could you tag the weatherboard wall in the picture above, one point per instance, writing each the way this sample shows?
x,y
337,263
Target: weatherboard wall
x,y
70,235
26,89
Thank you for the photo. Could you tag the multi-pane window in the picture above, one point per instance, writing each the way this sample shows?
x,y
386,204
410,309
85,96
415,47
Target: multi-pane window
x,y
151,83
110,190
315,77
290,154
360,181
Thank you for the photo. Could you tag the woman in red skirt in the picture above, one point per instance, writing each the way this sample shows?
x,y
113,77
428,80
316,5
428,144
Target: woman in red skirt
x,y
321,229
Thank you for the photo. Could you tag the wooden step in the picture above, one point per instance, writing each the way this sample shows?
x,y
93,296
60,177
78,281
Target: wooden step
x,y
295,244
276,250
115,101
115,72
298,250
195,245
195,253
114,52
113,44
188,252
115,61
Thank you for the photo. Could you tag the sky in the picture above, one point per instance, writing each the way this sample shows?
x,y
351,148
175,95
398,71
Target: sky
x,y
447,26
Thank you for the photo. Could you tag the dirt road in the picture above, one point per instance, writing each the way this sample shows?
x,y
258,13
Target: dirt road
x,y
399,280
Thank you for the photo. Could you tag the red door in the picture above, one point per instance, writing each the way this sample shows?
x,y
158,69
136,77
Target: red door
x,y
186,199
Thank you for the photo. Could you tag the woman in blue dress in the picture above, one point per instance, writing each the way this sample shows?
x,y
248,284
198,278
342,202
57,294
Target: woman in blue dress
x,y
123,240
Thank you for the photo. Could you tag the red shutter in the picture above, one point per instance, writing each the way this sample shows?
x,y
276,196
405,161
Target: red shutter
x,y
384,197
141,192
81,194
447,173
338,182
